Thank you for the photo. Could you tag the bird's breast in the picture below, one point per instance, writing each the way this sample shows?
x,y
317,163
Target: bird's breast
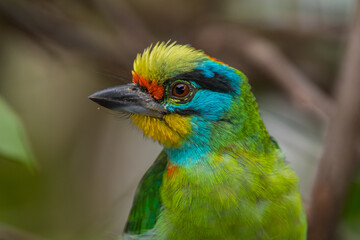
x,y
202,194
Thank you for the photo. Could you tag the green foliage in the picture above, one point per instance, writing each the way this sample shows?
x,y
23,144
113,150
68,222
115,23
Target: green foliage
x,y
352,210
13,141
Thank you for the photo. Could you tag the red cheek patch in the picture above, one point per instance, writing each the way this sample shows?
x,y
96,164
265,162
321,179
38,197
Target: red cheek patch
x,y
157,91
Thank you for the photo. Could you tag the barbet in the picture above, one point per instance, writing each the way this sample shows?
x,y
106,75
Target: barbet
x,y
220,175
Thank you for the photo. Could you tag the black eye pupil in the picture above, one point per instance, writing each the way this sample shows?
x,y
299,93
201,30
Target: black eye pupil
x,y
180,89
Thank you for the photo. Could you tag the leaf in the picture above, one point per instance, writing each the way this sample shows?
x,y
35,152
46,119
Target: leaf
x,y
13,141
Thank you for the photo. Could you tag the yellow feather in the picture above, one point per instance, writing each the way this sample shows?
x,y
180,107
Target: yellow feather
x,y
168,131
164,60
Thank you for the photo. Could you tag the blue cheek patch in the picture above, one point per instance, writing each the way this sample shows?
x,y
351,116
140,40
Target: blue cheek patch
x,y
210,105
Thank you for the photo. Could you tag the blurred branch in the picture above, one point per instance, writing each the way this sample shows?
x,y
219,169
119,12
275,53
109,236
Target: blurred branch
x,y
119,13
12,233
258,51
37,22
338,163
267,58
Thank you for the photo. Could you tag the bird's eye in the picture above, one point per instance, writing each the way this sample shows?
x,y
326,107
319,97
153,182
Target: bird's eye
x,y
180,90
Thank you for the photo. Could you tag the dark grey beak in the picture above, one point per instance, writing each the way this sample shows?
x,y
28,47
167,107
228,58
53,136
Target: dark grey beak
x,y
129,98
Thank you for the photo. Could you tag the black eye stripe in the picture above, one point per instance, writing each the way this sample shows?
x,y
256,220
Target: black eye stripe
x,y
217,83
186,112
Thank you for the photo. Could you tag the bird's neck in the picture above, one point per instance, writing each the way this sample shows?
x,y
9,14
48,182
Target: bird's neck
x,y
241,130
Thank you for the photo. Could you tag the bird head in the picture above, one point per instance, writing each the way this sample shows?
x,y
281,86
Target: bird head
x,y
181,96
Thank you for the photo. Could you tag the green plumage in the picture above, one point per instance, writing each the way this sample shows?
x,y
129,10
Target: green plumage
x,y
147,202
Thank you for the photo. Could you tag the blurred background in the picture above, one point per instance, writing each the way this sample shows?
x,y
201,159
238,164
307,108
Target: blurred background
x,y
69,169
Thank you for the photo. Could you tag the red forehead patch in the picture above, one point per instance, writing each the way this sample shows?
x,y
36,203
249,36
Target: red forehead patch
x,y
157,91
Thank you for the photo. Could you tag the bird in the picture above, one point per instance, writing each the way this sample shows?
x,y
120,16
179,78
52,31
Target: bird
x,y
220,175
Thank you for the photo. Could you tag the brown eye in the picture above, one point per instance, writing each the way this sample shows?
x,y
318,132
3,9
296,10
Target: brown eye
x,y
180,90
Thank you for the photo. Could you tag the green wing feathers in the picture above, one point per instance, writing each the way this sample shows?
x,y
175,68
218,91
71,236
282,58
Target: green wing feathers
x,y
147,202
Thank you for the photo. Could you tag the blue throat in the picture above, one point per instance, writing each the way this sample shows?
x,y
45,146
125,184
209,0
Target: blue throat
x,y
195,147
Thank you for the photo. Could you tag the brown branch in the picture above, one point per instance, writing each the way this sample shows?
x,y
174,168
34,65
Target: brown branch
x,y
120,13
267,58
338,162
12,233
131,33
51,26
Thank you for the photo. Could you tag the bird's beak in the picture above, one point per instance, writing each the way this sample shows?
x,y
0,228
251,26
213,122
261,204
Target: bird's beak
x,y
129,98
